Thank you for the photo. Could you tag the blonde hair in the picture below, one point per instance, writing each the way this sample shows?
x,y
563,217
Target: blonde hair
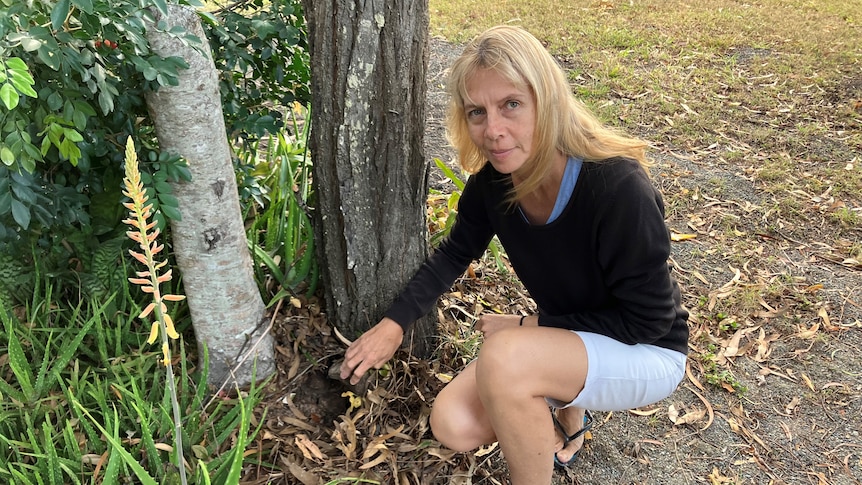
x,y
563,123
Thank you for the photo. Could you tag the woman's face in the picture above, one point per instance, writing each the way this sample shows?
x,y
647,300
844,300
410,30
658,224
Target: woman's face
x,y
501,118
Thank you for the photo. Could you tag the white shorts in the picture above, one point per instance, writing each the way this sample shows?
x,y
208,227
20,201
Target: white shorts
x,y
622,376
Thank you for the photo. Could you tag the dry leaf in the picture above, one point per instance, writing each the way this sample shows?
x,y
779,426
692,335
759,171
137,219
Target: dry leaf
x,y
301,474
763,348
716,478
809,333
732,348
672,413
645,412
827,323
808,382
691,417
709,409
694,380
294,367
786,431
308,448
682,237
484,450
791,406
443,377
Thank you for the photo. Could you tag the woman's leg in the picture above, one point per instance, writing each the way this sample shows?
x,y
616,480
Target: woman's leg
x,y
501,397
458,418
516,370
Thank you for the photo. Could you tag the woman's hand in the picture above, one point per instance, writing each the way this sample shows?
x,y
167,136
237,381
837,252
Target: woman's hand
x,y
372,349
490,323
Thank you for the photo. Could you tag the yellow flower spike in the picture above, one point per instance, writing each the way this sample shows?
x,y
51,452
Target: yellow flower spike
x,y
149,309
154,333
169,327
166,351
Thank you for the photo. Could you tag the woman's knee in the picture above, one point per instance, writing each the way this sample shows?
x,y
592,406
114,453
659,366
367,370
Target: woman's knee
x,y
453,427
500,364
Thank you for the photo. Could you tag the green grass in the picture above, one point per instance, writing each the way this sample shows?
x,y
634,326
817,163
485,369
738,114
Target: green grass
x,y
81,386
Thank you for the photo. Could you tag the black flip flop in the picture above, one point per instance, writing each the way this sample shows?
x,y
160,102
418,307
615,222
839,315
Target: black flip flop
x,y
567,438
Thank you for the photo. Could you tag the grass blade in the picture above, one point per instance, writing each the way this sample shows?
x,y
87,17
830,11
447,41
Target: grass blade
x,y
54,475
18,361
117,446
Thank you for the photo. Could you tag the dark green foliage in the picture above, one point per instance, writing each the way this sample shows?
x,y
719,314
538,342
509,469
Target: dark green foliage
x,y
73,78
261,49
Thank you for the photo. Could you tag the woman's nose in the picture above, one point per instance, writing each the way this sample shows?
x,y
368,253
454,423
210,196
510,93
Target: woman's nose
x,y
494,127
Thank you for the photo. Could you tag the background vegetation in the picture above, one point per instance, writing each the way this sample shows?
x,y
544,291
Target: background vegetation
x,y
83,399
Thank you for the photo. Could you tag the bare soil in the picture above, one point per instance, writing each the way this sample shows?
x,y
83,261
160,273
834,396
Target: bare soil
x,y
774,389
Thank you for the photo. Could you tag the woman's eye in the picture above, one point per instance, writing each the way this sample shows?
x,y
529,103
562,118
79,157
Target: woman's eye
x,y
474,113
512,104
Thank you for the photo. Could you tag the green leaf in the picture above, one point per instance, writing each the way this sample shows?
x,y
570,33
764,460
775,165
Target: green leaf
x,y
106,102
28,43
7,156
51,57
17,360
16,64
171,212
72,135
5,202
162,5
79,118
21,214
85,5
28,164
23,83
9,96
163,188
59,13
54,475
54,100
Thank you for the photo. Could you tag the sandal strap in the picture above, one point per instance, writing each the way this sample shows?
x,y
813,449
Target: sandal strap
x,y
588,423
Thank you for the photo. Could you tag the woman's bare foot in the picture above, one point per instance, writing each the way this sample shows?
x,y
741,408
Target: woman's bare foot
x,y
571,426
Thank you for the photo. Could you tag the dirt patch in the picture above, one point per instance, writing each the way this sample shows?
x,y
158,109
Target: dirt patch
x,y
774,389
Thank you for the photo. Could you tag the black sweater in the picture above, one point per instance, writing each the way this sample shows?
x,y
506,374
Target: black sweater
x,y
600,267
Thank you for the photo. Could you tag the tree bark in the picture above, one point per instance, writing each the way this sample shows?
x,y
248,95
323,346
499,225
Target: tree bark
x,y
210,243
368,63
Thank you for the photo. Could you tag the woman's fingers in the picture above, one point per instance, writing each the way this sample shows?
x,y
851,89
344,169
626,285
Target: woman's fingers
x,y
372,349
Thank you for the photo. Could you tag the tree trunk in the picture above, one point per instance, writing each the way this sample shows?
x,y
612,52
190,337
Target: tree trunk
x,y
368,63
210,243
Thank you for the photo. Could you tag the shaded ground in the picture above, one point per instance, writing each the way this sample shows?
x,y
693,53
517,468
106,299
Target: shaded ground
x,y
774,390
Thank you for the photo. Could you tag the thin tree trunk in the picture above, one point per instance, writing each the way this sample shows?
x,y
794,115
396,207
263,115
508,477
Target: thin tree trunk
x,y
368,63
210,243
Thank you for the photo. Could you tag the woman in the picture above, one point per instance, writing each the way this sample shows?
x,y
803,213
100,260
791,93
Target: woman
x,y
571,202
